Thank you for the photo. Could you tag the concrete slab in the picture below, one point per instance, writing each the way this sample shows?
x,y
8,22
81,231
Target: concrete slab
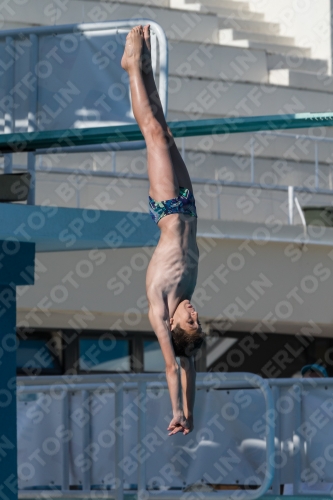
x,y
301,80
199,98
295,62
59,229
231,12
230,35
217,62
270,47
248,25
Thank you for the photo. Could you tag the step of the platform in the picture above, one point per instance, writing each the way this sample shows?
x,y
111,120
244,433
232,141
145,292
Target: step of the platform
x,y
270,47
247,25
297,63
237,168
199,98
280,149
234,13
231,35
301,80
183,25
225,4
217,62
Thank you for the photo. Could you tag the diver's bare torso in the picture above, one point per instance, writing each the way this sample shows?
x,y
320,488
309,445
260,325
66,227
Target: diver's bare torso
x,y
173,269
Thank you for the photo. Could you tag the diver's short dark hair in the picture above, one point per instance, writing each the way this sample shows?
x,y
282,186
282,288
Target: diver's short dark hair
x,y
186,344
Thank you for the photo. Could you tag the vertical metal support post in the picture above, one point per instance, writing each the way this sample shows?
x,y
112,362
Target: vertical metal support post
x,y
290,205
297,439
119,475
316,165
252,159
142,387
183,149
330,61
77,195
277,475
153,41
14,264
32,125
8,115
85,442
8,469
31,200
114,161
65,444
218,192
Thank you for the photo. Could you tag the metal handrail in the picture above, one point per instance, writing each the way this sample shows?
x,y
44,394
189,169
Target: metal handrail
x,y
117,384
205,380
34,34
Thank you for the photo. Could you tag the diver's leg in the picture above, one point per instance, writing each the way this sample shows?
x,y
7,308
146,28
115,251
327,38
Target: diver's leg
x,y
163,182
180,169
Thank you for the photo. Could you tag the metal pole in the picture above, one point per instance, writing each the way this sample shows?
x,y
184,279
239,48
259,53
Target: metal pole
x,y
330,61
316,165
114,160
31,200
277,474
252,159
119,452
297,443
183,149
32,125
8,115
65,444
141,434
291,205
77,193
85,443
153,41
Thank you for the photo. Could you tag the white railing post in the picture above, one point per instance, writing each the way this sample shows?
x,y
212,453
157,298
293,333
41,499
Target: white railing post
x,y
316,165
277,474
65,443
32,125
119,451
86,441
297,440
290,205
8,115
252,159
114,161
142,388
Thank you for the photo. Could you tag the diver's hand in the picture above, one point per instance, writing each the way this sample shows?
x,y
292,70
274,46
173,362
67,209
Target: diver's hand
x,y
179,424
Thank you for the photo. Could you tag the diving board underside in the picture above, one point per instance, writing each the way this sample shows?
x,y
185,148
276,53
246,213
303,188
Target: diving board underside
x,y
53,139
55,229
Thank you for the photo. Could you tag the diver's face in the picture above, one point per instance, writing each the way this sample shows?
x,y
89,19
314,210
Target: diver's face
x,y
186,317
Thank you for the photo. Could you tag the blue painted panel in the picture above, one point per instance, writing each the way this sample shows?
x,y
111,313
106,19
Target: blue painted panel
x,y
59,229
8,440
17,262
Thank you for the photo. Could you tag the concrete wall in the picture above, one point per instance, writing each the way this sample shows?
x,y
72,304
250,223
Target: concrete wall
x,y
242,283
307,21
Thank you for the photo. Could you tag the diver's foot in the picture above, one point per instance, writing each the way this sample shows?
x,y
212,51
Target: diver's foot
x,y
146,51
133,49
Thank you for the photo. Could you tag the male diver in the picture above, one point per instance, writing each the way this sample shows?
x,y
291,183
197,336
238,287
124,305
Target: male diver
x,y
172,271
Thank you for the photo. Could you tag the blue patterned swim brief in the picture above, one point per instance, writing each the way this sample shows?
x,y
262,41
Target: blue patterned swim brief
x,y
183,204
